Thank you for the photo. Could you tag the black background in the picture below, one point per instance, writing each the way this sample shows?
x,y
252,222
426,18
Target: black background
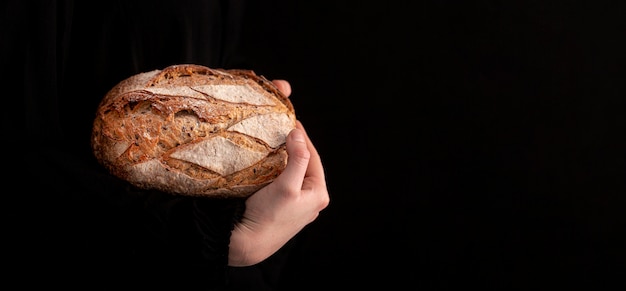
x,y
466,143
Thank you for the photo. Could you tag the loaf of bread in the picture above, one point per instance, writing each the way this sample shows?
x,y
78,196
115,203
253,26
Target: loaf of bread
x,y
195,131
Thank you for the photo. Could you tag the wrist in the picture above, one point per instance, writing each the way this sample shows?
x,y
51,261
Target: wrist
x,y
248,247
238,249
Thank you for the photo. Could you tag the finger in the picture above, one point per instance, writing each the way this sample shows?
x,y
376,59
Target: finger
x,y
297,163
283,86
315,168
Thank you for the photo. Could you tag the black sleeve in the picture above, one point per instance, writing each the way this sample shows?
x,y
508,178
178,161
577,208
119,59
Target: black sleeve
x,y
183,241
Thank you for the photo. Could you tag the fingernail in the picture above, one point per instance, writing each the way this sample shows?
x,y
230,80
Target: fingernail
x,y
298,136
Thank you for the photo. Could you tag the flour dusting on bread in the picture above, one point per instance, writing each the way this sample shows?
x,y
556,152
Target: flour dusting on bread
x,y
193,130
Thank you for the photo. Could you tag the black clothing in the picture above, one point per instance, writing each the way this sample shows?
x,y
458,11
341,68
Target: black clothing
x,y
68,222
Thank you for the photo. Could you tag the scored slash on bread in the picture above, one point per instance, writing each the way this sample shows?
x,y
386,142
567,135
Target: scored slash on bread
x,y
193,130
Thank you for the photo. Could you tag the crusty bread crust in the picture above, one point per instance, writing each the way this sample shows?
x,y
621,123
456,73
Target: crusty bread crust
x,y
195,131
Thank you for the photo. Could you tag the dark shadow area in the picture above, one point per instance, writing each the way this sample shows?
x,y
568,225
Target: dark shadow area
x,y
466,145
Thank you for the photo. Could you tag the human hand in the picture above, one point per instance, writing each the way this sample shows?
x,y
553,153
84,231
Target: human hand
x,y
280,210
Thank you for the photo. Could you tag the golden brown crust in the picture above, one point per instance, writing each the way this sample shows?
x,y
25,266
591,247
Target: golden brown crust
x,y
194,131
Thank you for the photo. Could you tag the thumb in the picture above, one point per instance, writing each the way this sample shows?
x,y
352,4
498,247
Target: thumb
x,y
297,162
